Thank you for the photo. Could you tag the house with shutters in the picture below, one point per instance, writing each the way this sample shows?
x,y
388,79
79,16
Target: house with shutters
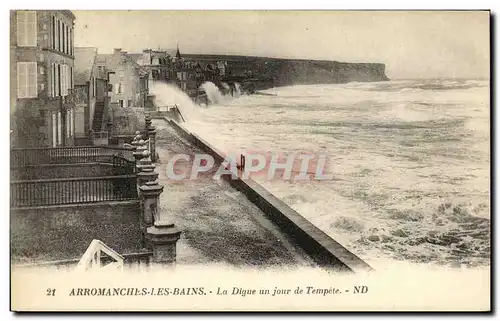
x,y
41,78
129,80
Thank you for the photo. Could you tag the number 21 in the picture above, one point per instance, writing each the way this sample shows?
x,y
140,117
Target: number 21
x,y
51,292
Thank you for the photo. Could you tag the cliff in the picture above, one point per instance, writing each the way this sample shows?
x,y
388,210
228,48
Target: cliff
x,y
282,72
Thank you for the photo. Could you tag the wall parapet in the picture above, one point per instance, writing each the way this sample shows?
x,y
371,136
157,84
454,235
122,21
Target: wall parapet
x,y
323,249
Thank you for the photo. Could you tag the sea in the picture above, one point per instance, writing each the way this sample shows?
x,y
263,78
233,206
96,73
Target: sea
x,y
410,161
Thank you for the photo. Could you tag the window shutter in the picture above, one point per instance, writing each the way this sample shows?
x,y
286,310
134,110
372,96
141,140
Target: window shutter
x,y
54,90
21,28
72,120
59,128
22,76
31,28
54,80
69,39
56,33
49,81
58,79
67,124
54,130
64,79
61,36
32,80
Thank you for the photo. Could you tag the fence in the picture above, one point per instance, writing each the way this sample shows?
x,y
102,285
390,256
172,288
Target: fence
x,y
67,155
46,192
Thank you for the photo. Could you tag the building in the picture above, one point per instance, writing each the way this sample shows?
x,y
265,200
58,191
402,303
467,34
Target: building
x,y
91,91
189,74
158,63
128,79
41,78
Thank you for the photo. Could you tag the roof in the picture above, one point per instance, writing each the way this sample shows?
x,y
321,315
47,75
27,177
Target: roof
x,y
85,58
112,61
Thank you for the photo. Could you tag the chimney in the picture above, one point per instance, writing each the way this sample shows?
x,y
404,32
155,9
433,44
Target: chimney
x,y
117,51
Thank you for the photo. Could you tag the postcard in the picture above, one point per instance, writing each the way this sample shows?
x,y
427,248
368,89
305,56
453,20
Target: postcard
x,y
250,160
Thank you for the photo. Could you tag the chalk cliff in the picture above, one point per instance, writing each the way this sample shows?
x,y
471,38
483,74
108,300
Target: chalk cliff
x,y
281,72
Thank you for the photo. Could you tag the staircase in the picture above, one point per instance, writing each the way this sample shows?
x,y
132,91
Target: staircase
x,y
93,255
98,113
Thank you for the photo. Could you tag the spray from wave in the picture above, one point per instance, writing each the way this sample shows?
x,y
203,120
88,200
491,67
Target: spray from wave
x,y
216,97
237,89
213,93
167,95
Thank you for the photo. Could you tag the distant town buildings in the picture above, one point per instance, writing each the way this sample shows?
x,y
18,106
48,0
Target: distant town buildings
x,y
172,67
41,78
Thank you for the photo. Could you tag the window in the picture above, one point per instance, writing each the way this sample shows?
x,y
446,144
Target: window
x,y
64,37
121,102
59,128
57,80
120,88
95,87
71,77
53,32
63,79
59,27
129,103
71,41
26,28
27,80
66,49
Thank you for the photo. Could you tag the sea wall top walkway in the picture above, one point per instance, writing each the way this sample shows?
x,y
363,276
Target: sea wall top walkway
x,y
219,224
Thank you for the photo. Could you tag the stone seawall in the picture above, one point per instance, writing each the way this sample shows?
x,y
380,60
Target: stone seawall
x,y
325,251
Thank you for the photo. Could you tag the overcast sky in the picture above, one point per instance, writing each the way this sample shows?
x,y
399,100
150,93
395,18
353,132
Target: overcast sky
x,y
411,44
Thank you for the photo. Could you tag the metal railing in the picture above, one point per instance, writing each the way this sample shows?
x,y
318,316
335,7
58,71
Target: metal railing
x,y
48,192
66,155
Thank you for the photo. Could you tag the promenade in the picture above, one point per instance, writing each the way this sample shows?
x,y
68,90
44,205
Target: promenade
x,y
219,224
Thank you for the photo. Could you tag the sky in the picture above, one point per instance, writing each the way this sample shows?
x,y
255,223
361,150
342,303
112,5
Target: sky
x,y
412,44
